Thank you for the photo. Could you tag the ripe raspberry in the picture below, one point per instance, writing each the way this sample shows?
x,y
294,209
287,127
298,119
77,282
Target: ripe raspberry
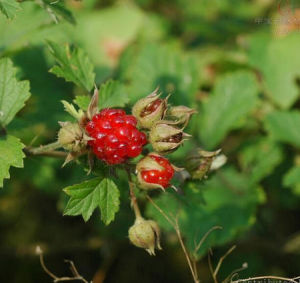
x,y
160,177
116,137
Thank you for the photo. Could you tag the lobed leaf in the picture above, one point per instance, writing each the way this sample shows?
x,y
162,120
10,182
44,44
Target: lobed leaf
x,y
73,65
89,195
9,8
13,93
58,11
11,154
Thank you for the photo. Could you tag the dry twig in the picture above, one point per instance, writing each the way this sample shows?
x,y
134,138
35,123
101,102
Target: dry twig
x,y
175,225
76,275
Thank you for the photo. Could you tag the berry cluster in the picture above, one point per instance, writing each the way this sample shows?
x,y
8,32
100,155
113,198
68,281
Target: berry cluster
x,y
160,177
115,136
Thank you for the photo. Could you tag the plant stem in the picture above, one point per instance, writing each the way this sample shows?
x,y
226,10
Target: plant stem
x,y
266,277
46,150
176,227
43,148
76,275
134,203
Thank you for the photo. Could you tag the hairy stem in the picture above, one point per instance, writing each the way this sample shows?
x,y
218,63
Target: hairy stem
x,y
46,150
134,203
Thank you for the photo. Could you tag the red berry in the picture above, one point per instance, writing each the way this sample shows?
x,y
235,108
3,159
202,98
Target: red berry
x,y
160,177
116,137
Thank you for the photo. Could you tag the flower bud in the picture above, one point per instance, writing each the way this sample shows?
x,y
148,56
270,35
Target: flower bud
x,y
165,137
150,109
71,137
181,114
154,172
200,162
145,234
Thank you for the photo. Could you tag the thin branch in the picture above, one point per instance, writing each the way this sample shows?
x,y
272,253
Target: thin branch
x,y
134,203
40,253
54,153
235,272
76,275
265,277
205,237
191,266
211,267
176,227
222,259
161,211
46,150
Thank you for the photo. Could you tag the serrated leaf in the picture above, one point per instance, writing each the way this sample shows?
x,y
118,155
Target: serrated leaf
x,y
164,66
259,157
13,93
109,200
278,60
73,65
11,154
89,195
58,11
234,95
284,126
9,8
82,101
111,94
230,202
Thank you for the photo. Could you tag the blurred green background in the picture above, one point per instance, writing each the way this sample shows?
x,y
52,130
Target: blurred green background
x,y
237,62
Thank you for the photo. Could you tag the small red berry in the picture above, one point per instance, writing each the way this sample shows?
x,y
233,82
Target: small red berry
x,y
115,136
155,171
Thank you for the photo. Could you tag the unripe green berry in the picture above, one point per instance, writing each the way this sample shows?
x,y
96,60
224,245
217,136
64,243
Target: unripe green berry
x,y
150,109
165,137
71,137
145,234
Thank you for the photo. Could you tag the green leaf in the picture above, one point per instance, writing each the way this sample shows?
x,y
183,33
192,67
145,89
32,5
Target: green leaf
x,y
11,154
168,67
230,201
234,96
259,157
284,126
58,11
73,65
111,94
278,60
9,8
89,195
82,101
292,179
13,93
